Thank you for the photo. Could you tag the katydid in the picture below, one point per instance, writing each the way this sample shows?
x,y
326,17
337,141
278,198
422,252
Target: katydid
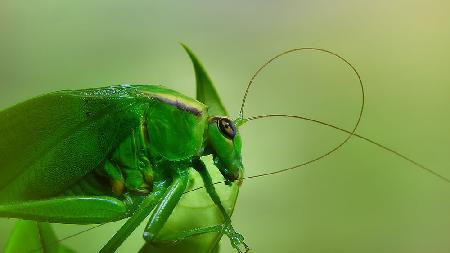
x,y
101,155
104,154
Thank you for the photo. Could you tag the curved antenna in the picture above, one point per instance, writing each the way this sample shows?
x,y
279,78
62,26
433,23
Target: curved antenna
x,y
390,150
250,83
352,133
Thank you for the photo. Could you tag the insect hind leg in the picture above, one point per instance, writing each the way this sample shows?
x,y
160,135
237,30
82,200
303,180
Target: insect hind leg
x,y
165,207
67,209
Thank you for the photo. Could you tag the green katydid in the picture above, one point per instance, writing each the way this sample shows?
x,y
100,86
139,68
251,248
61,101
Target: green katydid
x,y
101,155
145,168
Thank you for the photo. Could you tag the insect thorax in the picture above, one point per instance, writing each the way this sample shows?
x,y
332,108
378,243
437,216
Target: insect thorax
x,y
167,136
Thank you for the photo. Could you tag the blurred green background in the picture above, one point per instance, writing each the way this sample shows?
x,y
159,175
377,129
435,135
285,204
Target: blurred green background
x,y
361,199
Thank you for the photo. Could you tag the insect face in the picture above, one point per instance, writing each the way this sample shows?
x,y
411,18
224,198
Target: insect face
x,y
224,143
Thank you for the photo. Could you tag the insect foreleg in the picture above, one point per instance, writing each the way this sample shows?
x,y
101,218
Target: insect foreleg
x,y
145,207
166,205
236,239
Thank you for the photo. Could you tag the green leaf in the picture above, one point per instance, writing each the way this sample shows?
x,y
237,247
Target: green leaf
x,y
31,236
206,93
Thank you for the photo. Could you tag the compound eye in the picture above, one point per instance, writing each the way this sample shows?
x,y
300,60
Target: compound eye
x,y
227,127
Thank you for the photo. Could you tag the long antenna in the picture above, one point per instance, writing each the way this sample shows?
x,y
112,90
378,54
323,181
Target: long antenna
x,y
404,157
252,79
351,133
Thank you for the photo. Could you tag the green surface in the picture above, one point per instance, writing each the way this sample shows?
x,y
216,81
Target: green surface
x,y
32,236
361,199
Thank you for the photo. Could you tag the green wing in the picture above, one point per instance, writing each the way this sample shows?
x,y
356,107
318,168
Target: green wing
x,y
49,142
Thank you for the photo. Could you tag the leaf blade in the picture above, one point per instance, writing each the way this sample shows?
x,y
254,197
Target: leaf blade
x,y
206,92
31,236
